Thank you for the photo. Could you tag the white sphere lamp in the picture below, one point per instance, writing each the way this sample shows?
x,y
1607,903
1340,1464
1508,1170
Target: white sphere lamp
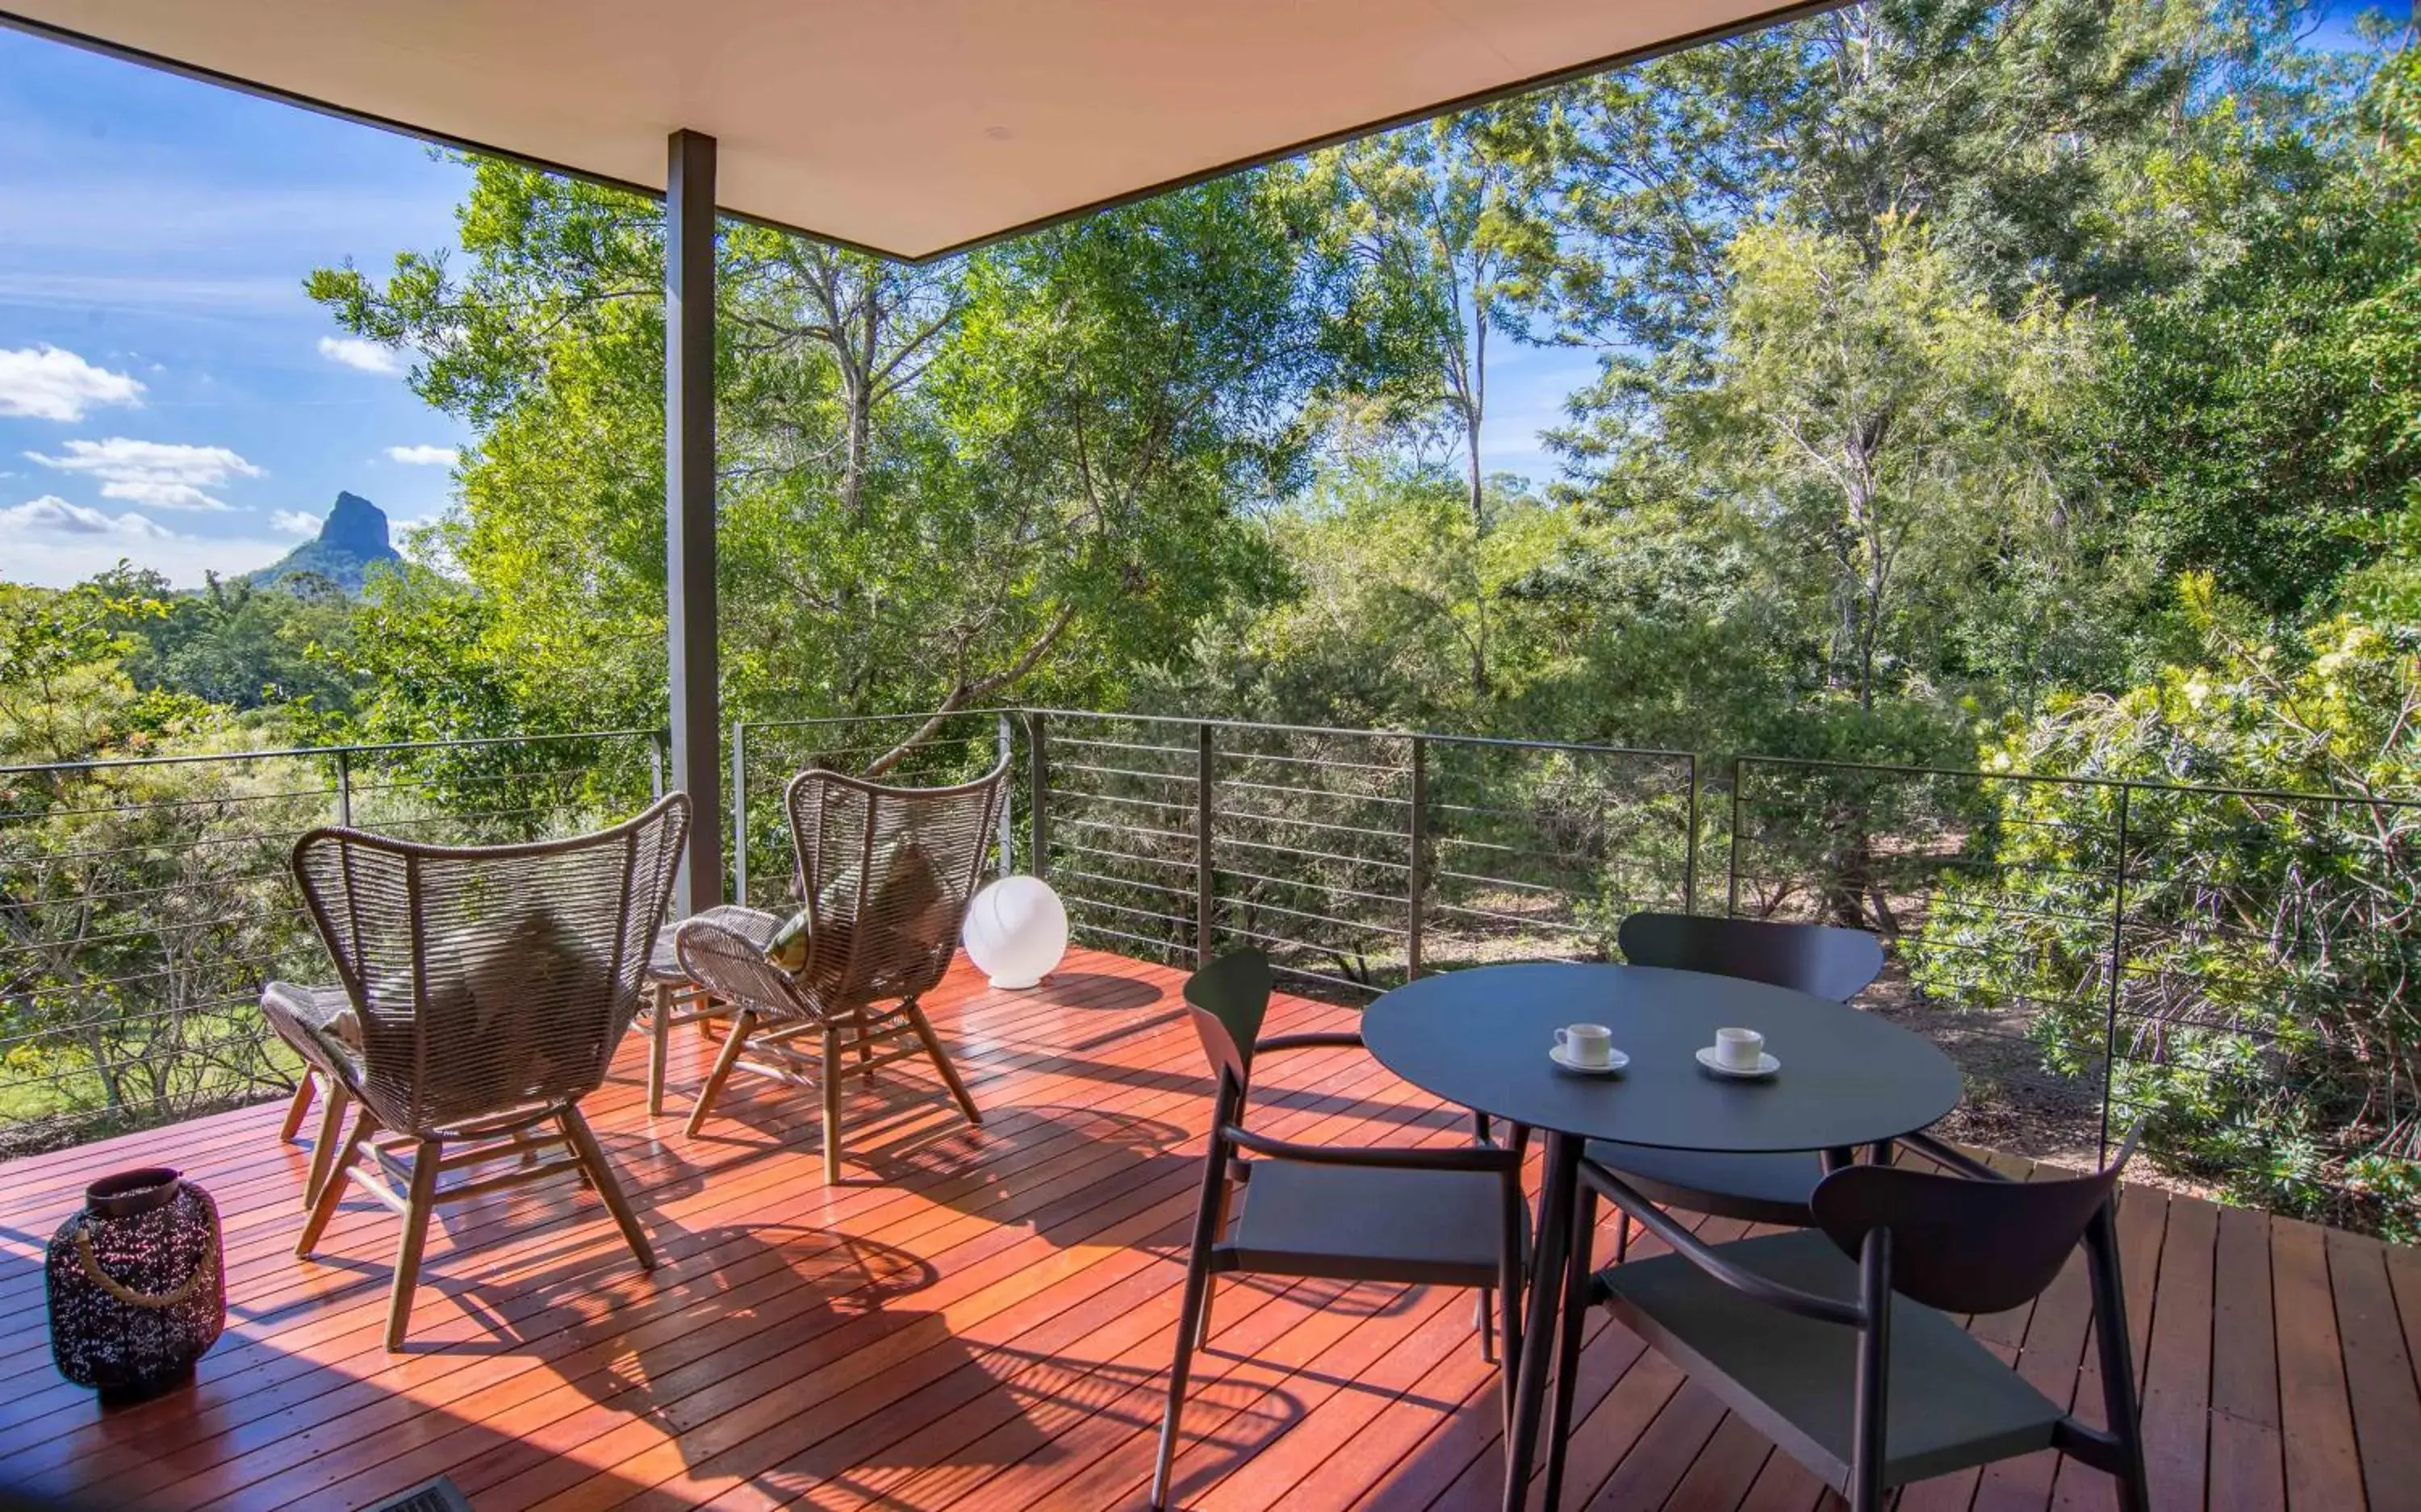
x,y
1015,932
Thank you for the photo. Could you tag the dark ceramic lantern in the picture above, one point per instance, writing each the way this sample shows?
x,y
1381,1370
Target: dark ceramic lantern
x,y
137,1285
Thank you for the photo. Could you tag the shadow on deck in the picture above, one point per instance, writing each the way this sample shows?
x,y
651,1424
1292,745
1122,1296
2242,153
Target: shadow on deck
x,y
981,1318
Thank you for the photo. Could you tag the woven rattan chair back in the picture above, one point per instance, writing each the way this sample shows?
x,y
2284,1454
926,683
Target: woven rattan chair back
x,y
489,978
886,874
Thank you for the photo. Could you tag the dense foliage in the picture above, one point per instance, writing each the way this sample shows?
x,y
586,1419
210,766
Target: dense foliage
x,y
2259,1016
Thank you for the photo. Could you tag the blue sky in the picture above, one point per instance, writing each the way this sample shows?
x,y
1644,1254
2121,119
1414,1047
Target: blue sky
x,y
164,393
168,395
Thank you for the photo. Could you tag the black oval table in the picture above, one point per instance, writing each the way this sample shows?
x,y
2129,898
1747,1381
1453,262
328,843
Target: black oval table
x,y
1479,1038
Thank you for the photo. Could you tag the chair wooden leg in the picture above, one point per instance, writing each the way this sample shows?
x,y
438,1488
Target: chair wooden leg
x,y
722,1072
332,1190
323,1148
296,1107
1485,1323
942,1061
422,1200
659,1038
1568,1339
832,1104
608,1185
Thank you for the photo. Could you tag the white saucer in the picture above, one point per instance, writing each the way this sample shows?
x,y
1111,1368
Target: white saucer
x,y
1614,1061
1766,1065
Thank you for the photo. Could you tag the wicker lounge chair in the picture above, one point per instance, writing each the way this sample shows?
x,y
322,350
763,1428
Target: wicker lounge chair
x,y
490,986
887,873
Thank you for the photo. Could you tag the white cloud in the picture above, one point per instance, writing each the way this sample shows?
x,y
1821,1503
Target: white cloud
x,y
55,560
294,521
368,357
51,541
423,456
51,515
163,475
53,384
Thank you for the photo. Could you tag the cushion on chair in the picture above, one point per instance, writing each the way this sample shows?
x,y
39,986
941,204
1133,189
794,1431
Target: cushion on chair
x,y
1760,1189
1359,1223
756,925
318,1024
1951,1404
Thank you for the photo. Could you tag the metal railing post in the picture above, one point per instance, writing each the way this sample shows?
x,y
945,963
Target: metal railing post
x,y
1204,809
739,811
1038,808
1732,865
1415,877
2118,964
345,788
1004,744
1690,845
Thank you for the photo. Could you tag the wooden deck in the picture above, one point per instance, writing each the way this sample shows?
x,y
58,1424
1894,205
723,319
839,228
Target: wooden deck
x,y
982,1318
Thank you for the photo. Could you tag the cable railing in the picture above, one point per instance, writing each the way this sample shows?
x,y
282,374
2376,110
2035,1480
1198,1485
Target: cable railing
x,y
1357,859
2232,964
145,901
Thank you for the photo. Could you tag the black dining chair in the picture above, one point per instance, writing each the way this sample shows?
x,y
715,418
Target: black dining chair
x,y
1450,1216
1837,1341
1828,962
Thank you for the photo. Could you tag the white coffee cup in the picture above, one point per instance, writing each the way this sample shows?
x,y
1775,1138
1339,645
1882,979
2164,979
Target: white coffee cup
x,y
1585,1044
1740,1050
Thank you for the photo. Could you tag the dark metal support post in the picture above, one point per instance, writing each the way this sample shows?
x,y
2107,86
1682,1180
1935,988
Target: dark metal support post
x,y
688,511
344,789
739,811
1689,844
1004,743
1731,866
1038,808
1415,877
2118,964
1204,807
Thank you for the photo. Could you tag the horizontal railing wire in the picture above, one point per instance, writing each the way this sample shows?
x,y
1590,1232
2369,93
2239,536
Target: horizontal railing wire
x,y
2087,947
145,902
2229,963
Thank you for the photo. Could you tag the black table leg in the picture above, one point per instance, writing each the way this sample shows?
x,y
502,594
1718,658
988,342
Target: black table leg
x,y
1546,1291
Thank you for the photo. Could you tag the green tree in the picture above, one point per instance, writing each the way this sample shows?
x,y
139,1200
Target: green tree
x,y
2264,1021
1446,226
1021,469
2258,417
239,646
141,905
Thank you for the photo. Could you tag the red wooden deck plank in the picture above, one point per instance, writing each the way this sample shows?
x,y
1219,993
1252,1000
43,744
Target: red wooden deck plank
x,y
2379,1370
2248,1461
2323,1470
664,1370
2177,1389
374,1362
769,1363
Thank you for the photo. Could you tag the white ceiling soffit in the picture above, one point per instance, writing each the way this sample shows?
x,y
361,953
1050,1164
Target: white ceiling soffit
x,y
908,127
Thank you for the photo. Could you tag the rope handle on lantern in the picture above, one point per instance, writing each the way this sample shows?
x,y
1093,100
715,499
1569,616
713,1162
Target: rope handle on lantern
x,y
128,1295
